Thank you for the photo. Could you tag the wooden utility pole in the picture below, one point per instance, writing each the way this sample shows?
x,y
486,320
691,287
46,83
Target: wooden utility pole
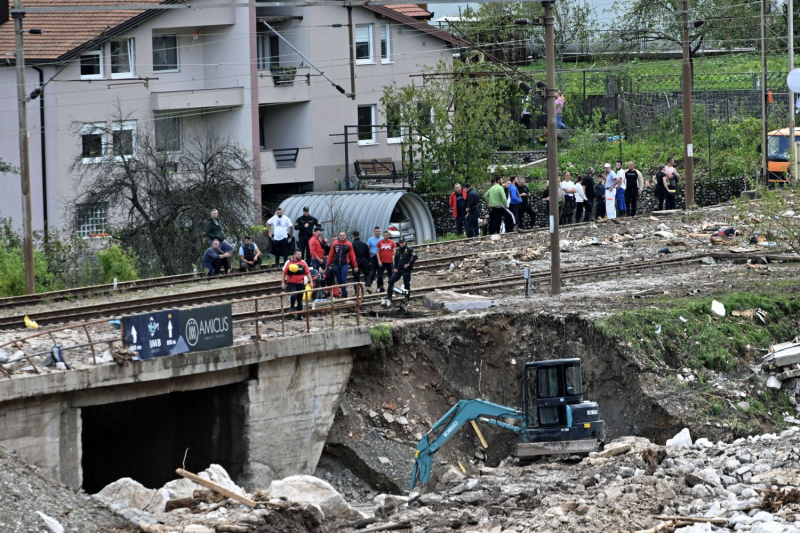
x,y
350,30
764,130
24,156
552,149
792,139
688,148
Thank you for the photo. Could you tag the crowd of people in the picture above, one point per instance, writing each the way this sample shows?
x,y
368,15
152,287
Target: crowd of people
x,y
306,255
608,193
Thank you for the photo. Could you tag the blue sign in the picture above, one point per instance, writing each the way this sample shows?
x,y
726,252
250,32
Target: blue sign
x,y
154,334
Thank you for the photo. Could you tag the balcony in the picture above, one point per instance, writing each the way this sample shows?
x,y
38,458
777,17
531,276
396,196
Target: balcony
x,y
197,99
284,85
287,165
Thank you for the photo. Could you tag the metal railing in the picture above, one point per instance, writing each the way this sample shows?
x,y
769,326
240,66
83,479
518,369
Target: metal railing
x,y
281,310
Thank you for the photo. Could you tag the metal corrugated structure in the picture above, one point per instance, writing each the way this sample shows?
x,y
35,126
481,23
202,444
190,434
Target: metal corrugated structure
x,y
362,211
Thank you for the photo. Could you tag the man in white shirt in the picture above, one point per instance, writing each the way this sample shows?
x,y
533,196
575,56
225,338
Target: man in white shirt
x,y
569,198
280,229
611,192
622,208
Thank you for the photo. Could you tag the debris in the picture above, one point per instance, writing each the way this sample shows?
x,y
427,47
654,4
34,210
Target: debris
x,y
30,324
718,308
684,320
217,488
708,260
663,234
750,313
787,356
126,493
312,490
664,250
774,383
388,527
51,523
743,406
388,417
776,499
615,448
454,301
658,329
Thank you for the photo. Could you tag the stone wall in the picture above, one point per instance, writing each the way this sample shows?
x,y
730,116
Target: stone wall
x,y
707,192
521,157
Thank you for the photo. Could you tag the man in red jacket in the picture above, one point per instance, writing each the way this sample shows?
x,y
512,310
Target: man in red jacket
x,y
457,203
316,247
294,276
386,248
341,257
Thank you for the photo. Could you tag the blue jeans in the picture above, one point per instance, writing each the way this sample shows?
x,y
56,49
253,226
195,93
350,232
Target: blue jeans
x,y
621,200
341,277
560,122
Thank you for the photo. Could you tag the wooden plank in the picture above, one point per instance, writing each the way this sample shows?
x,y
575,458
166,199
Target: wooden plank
x,y
216,488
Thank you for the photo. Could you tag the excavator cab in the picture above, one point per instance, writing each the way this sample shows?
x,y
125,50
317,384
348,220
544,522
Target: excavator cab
x,y
557,418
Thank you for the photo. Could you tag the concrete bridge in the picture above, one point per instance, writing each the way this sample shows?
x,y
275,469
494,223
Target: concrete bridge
x,y
262,410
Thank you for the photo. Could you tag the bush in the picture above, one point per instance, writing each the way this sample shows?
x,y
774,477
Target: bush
x,y
12,272
118,263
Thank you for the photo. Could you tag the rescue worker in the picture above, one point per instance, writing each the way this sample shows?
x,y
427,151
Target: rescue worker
x,y
457,203
294,277
361,251
341,258
404,259
249,255
316,247
304,226
386,249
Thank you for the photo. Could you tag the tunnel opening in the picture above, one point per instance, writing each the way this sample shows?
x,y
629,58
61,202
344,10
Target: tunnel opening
x,y
146,439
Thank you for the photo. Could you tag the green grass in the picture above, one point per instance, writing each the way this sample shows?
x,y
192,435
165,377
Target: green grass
x,y
381,336
717,344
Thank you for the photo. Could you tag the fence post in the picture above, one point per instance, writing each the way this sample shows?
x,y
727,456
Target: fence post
x,y
258,332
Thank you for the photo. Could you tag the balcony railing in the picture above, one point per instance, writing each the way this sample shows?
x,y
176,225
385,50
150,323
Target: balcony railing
x,y
285,157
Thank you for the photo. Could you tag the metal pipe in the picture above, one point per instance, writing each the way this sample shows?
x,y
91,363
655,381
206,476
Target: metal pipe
x,y
24,154
686,76
43,152
552,149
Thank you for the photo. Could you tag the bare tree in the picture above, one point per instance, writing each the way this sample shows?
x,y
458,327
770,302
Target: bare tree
x,y
159,191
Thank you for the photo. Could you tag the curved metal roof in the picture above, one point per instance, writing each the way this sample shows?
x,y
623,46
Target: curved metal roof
x,y
362,211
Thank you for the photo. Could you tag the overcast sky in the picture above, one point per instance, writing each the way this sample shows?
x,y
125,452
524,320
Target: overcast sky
x,y
441,10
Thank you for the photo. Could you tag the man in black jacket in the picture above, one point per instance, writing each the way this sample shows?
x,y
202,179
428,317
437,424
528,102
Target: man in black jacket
x,y
525,207
304,226
214,228
588,190
361,249
472,207
404,259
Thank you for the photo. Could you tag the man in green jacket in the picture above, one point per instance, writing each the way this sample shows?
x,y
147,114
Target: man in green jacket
x,y
214,228
496,199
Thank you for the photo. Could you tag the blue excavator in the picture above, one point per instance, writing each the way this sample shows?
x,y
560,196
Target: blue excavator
x,y
554,420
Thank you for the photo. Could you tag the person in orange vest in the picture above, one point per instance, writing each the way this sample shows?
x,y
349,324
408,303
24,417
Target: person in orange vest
x,y
458,201
294,276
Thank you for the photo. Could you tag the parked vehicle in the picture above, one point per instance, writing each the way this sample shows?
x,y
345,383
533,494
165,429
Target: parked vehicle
x,y
404,228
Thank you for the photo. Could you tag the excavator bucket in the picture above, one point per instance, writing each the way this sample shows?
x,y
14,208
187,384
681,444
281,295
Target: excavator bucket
x,y
564,447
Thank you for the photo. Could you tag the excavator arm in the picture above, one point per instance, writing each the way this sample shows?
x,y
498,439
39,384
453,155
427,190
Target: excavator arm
x,y
456,417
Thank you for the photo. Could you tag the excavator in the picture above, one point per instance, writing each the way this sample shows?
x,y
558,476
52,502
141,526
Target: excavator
x,y
554,420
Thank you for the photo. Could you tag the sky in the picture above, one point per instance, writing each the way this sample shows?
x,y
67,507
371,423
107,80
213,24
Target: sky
x,y
441,10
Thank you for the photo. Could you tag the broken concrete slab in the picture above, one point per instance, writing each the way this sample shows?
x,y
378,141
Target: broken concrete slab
x,y
787,356
454,301
789,374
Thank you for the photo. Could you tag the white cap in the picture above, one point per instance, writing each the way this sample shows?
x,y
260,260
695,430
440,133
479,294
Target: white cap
x,y
607,165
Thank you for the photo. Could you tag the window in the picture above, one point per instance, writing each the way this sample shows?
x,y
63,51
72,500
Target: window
x,y
93,142
574,382
92,64
394,130
168,133
124,139
165,53
547,378
122,61
92,221
366,124
364,44
269,54
386,44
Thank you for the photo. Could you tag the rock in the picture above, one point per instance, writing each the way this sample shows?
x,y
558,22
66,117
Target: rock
x,y
762,516
387,504
625,471
403,421
105,357
373,414
456,301
388,417
587,481
682,440
195,528
778,476
743,406
384,460
615,448
183,488
718,308
694,528
774,383
703,443
309,489
732,465
451,475
51,523
126,493
3,356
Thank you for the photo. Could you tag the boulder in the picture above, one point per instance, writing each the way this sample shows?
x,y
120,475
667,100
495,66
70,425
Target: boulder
x,y
682,440
126,493
387,504
183,488
309,489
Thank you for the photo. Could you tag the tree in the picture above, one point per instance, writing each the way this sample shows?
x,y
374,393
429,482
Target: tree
x,y
493,26
452,123
159,199
659,21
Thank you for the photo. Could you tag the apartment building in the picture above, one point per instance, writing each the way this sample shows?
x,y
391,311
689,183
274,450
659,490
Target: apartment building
x,y
247,72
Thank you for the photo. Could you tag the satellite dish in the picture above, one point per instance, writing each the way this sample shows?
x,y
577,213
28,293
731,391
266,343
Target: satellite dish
x,y
793,80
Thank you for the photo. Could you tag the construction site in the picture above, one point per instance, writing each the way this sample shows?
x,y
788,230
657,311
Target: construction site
x,y
684,325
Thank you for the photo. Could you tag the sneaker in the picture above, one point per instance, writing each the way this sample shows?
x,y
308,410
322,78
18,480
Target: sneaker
x,y
369,290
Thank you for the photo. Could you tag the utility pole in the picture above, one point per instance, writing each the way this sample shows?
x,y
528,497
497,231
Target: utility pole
x,y
552,149
688,149
792,140
764,130
24,162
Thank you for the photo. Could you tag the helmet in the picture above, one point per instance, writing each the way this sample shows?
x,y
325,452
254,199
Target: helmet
x,y
294,268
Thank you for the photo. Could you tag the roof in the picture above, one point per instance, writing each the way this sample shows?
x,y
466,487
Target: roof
x,y
388,12
412,10
67,34
363,210
784,133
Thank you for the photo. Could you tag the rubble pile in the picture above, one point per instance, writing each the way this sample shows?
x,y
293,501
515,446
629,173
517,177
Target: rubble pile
x,y
296,504
782,364
632,485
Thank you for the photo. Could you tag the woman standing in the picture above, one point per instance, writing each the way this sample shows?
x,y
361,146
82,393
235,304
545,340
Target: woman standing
x,y
582,204
560,101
